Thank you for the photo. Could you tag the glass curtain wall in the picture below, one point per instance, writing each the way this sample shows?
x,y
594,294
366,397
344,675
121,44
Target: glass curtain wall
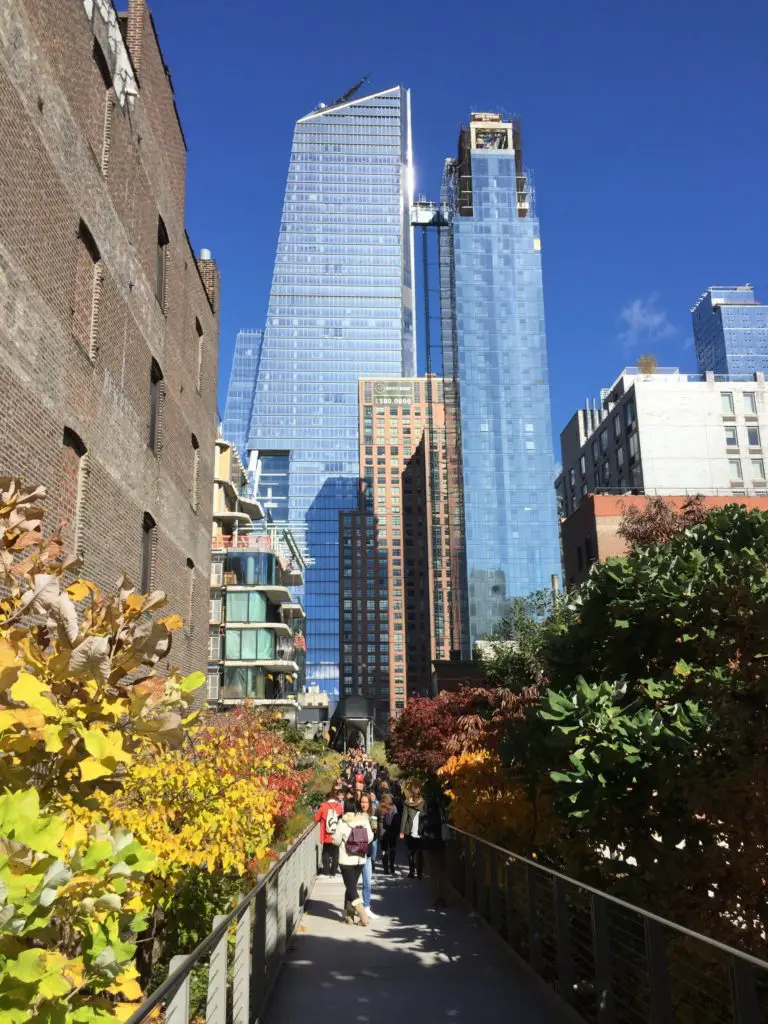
x,y
496,350
242,380
340,308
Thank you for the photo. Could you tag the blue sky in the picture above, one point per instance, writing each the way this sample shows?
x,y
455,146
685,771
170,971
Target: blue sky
x,y
644,123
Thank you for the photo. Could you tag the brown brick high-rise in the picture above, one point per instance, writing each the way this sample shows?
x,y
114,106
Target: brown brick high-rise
x,y
108,322
396,584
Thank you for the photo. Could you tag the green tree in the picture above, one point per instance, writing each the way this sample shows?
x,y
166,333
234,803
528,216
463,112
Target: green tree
x,y
655,722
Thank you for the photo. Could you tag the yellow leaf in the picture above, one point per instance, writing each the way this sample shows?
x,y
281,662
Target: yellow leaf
x,y
172,622
134,602
80,589
29,718
91,769
127,985
122,1011
52,737
9,670
115,708
30,691
8,719
104,746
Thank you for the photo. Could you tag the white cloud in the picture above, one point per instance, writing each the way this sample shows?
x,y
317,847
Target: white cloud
x,y
644,322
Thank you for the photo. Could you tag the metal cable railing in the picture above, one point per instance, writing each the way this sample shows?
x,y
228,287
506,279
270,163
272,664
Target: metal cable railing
x,y
229,976
612,962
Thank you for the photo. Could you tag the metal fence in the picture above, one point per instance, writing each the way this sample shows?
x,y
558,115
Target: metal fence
x,y
612,962
228,978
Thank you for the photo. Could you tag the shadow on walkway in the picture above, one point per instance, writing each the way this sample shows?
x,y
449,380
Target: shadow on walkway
x,y
412,964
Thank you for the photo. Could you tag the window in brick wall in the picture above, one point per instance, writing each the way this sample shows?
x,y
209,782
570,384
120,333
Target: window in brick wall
x,y
190,594
86,300
74,476
200,343
156,397
194,494
148,537
161,271
108,103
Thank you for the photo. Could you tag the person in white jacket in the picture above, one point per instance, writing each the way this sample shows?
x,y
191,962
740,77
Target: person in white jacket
x,y
353,836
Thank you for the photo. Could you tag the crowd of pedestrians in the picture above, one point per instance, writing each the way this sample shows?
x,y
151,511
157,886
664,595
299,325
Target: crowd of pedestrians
x,y
361,821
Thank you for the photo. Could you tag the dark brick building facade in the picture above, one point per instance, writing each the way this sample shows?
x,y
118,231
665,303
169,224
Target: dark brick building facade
x,y
108,321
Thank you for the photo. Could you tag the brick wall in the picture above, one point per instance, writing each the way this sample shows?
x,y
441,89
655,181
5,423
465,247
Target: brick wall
x,y
88,165
590,533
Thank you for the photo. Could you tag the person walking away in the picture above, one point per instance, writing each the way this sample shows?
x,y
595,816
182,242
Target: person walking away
x,y
364,807
432,827
389,826
374,806
353,836
410,829
328,814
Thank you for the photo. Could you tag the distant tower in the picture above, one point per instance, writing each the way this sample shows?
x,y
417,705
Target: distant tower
x,y
340,308
495,352
730,329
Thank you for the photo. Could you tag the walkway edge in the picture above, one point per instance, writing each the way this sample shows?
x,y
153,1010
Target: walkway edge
x,y
569,1015
261,1017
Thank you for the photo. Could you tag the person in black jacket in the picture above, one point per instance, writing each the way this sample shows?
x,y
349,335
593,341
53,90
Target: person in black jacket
x,y
433,845
389,827
411,829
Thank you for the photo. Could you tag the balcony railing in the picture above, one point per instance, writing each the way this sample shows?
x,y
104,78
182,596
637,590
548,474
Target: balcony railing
x,y
244,542
270,541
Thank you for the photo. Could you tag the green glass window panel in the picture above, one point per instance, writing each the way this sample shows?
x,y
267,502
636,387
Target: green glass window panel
x,y
265,644
237,606
257,610
232,645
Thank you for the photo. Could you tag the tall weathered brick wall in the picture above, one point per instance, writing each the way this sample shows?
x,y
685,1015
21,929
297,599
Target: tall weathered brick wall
x,y
52,130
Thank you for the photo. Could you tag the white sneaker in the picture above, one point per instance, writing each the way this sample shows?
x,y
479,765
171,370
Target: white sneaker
x,y
370,913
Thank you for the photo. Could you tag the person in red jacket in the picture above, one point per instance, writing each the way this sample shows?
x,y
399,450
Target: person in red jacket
x,y
328,814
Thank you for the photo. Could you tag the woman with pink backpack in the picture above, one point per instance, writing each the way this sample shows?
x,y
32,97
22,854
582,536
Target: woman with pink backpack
x,y
353,836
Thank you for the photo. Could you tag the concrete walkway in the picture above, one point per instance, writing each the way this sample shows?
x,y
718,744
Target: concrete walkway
x,y
413,964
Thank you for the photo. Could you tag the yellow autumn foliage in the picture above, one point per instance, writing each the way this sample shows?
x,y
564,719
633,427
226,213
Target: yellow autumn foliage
x,y
489,801
191,809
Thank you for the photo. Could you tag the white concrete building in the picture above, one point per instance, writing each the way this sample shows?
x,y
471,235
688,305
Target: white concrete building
x,y
668,433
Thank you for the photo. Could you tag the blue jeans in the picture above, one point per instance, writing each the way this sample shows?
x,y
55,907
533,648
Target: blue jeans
x,y
367,875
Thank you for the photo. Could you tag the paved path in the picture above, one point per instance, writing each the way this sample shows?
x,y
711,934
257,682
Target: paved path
x,y
413,965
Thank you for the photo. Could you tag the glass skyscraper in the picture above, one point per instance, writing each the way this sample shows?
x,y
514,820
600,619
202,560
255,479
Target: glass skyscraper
x,y
730,330
242,382
340,308
494,349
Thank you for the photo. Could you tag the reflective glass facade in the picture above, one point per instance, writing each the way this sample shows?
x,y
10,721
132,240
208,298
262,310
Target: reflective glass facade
x,y
242,381
495,348
730,330
340,308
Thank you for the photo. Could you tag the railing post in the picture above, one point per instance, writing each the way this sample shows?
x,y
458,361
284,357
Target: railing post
x,y
469,849
658,976
281,913
743,992
258,954
241,969
480,901
495,900
216,1002
177,1009
565,978
508,916
534,933
601,945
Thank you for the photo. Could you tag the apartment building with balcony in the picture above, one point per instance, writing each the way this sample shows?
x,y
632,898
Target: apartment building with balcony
x,y
256,645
